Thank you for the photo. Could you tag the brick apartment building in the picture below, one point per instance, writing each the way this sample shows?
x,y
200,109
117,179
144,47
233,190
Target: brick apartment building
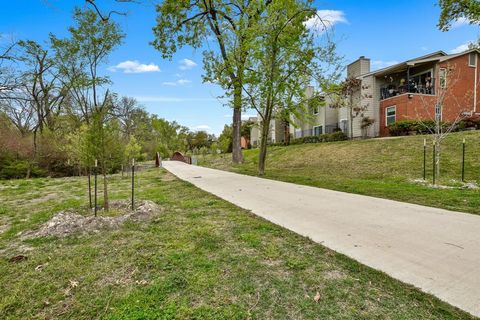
x,y
433,86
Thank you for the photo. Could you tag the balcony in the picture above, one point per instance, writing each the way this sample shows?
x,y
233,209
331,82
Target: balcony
x,y
395,89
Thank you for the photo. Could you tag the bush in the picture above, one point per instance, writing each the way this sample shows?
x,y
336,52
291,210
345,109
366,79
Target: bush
x,y
19,170
407,127
471,122
402,128
335,136
326,137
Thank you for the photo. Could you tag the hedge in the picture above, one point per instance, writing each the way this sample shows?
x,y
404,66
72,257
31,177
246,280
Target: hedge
x,y
326,137
409,127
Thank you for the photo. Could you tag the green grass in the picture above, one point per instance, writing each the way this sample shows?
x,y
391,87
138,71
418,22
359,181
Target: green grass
x,y
201,258
385,168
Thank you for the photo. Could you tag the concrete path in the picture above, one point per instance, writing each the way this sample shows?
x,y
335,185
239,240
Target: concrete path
x,y
436,250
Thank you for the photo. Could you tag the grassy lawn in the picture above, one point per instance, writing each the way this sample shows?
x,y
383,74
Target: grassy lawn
x,y
199,258
385,168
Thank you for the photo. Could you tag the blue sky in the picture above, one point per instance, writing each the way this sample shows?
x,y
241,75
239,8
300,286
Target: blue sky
x,y
384,31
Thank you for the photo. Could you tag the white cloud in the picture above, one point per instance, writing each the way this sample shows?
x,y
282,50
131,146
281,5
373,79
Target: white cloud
x,y
462,21
187,64
133,66
180,82
325,19
461,48
379,64
424,48
169,83
202,127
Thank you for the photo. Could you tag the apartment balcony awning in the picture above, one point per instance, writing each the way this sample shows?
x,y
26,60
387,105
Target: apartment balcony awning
x,y
403,66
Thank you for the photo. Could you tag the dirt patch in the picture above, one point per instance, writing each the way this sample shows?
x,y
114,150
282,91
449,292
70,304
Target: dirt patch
x,y
168,177
47,197
334,275
70,222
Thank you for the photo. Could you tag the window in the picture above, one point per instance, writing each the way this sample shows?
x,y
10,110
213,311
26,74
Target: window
x,y
442,74
318,130
438,112
391,115
472,59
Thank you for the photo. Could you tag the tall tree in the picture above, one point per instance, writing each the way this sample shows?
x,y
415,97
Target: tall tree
x,y
231,24
40,84
454,10
286,57
8,76
91,41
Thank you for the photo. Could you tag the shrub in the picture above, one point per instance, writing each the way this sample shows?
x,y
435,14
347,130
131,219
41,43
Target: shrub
x,y
406,127
326,137
472,122
402,128
335,136
19,170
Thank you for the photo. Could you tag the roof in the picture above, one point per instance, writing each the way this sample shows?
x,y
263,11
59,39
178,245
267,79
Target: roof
x,y
438,56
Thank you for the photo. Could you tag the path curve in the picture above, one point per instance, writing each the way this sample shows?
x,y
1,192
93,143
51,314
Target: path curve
x,y
433,249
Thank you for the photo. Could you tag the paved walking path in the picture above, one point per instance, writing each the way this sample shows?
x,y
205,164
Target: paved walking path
x,y
436,250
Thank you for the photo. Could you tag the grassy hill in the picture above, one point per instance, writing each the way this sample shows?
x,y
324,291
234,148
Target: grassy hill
x,y
388,168
198,257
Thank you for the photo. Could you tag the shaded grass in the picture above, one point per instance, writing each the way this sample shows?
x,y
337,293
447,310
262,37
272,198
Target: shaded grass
x,y
201,258
385,168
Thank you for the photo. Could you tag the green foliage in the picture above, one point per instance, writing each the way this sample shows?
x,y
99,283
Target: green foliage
x,y
452,10
103,142
285,57
199,139
403,128
225,139
234,26
167,137
326,137
20,169
409,127
133,150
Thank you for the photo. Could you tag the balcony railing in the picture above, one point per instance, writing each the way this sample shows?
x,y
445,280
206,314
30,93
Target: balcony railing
x,y
393,90
312,132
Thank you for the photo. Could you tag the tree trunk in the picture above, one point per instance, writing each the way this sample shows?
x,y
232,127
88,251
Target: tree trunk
x,y
237,156
89,189
105,191
29,170
437,159
264,137
287,133
263,147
